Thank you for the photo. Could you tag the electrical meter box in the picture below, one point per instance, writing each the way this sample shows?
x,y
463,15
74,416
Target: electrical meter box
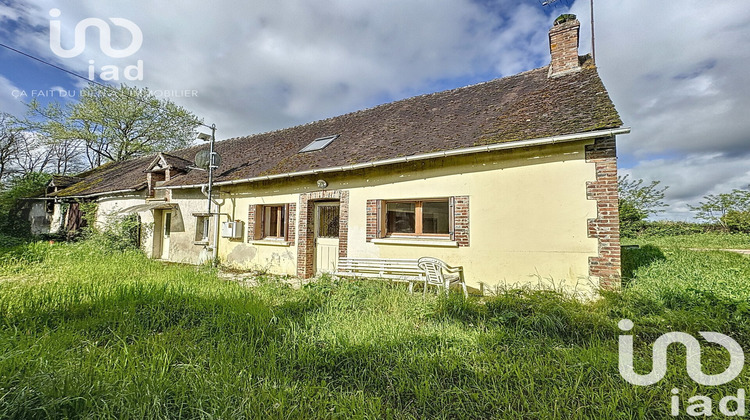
x,y
232,230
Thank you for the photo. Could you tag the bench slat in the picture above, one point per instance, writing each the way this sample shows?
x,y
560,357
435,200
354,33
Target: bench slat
x,y
396,269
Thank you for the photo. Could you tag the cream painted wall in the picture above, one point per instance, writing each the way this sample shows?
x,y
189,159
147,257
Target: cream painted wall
x,y
273,256
183,247
528,214
527,222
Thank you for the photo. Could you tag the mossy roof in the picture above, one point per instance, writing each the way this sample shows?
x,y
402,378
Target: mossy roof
x,y
525,106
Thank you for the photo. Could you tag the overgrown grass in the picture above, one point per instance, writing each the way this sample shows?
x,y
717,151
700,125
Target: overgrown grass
x,y
86,332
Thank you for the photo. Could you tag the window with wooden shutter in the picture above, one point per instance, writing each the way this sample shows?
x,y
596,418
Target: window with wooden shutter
x,y
381,217
271,221
427,217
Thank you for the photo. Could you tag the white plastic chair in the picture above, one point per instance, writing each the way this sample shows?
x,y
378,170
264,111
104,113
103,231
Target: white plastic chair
x,y
440,274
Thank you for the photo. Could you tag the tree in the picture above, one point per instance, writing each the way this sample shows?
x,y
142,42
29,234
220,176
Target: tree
x,y
716,207
117,124
66,152
737,221
32,153
637,202
646,199
8,143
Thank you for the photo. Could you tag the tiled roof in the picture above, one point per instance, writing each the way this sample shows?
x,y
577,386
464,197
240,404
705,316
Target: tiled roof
x,y
177,162
110,177
528,105
63,181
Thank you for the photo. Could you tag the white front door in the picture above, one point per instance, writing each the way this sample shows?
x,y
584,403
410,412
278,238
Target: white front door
x,y
326,236
166,231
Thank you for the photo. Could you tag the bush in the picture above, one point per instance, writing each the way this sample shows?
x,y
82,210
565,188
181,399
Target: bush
x,y
737,221
669,228
631,219
118,233
13,221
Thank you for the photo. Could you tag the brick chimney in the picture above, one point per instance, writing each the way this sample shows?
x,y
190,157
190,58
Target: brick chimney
x,y
563,45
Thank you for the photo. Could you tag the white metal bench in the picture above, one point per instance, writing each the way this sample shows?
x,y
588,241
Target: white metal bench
x,y
399,270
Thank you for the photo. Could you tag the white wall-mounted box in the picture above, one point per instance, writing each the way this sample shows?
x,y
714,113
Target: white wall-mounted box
x,y
232,230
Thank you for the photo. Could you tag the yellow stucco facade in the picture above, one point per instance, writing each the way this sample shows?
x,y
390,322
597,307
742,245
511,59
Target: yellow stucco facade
x,y
528,215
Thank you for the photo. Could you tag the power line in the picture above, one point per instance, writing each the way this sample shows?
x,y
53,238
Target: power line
x,y
81,77
53,65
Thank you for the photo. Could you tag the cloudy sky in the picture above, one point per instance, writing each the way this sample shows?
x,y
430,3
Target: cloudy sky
x,y
676,70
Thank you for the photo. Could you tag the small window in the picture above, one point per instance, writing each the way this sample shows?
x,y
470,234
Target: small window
x,y
418,218
202,226
319,143
327,221
168,224
274,219
271,221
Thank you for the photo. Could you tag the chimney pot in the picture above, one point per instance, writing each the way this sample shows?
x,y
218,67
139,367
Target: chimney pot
x,y
563,45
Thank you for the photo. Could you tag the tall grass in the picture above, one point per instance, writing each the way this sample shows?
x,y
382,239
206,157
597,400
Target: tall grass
x,y
86,332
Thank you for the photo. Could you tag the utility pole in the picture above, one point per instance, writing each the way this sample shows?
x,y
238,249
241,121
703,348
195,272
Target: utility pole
x,y
593,54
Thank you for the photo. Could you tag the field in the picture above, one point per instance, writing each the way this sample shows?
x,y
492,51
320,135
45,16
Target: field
x,y
88,332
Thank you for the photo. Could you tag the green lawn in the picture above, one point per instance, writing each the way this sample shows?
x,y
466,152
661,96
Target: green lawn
x,y
89,333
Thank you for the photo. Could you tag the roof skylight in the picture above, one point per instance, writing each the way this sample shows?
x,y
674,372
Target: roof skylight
x,y
319,143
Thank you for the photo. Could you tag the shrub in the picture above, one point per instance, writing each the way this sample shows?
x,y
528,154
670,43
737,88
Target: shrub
x,y
631,219
670,228
13,220
10,241
118,233
737,221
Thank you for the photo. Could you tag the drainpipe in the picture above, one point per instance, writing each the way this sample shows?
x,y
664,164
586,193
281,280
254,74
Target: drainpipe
x,y
211,166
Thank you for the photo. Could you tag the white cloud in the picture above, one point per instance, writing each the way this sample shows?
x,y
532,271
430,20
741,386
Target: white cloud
x,y
10,98
264,65
677,71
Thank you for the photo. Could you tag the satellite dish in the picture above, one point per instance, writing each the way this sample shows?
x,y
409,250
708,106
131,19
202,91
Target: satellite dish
x,y
202,159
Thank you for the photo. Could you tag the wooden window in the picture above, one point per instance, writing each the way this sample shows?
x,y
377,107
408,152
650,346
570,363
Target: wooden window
x,y
274,222
271,222
431,217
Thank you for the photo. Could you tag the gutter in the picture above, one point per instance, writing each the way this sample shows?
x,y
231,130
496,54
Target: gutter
x,y
456,152
93,195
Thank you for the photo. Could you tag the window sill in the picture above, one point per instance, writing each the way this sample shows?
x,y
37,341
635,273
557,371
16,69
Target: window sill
x,y
271,242
200,242
416,241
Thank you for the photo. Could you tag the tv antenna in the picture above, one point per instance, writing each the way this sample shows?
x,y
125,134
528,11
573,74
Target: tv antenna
x,y
591,3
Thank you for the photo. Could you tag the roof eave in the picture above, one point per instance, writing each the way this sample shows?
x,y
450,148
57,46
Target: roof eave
x,y
455,152
99,193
